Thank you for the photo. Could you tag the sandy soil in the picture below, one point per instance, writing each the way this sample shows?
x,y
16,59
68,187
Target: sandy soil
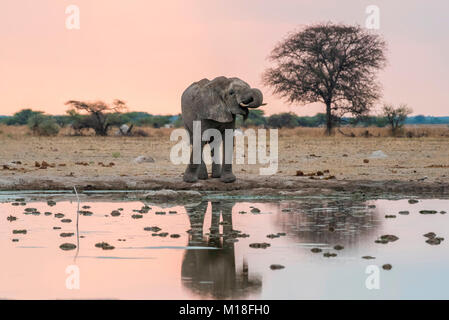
x,y
419,164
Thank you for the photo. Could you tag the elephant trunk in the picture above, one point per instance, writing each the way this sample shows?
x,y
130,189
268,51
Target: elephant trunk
x,y
256,101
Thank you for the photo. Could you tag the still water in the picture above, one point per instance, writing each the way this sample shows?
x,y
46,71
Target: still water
x,y
202,250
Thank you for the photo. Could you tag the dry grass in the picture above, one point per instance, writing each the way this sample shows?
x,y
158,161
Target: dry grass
x,y
304,149
406,132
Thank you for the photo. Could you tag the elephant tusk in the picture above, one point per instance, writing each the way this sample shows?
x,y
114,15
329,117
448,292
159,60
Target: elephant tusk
x,y
243,104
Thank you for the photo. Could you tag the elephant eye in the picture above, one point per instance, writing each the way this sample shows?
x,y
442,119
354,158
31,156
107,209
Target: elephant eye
x,y
231,92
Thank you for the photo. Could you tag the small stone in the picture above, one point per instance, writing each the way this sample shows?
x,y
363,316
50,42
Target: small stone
x,y
412,201
428,211
11,218
67,246
404,212
262,245
390,216
104,246
389,237
115,213
153,229
137,216
365,161
281,234
174,235
19,231
66,220
276,267
433,241
430,235
242,235
143,159
368,257
51,203
255,210
67,234
338,247
387,266
329,255
316,250
56,228
59,215
272,236
443,212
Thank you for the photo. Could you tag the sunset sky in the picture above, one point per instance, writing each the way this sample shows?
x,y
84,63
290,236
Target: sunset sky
x,y
148,52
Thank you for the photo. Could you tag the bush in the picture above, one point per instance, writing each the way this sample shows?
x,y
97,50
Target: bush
x,y
21,118
283,120
43,125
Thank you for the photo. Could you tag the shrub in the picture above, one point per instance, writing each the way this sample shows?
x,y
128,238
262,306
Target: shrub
x,y
43,125
283,120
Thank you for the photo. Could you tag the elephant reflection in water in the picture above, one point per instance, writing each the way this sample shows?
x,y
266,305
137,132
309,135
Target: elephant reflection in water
x,y
211,270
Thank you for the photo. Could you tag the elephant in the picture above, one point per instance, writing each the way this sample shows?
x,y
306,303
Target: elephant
x,y
215,105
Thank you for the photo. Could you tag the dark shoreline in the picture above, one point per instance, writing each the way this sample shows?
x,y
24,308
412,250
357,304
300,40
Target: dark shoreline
x,y
243,186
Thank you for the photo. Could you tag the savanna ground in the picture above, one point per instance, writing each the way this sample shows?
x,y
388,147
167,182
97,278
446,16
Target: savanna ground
x,y
419,160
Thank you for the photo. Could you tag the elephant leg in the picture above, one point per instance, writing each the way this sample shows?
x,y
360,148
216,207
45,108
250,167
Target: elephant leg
x,y
192,170
202,173
226,170
214,234
216,167
196,217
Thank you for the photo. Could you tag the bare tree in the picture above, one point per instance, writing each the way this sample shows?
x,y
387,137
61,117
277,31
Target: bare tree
x,y
100,116
396,116
330,63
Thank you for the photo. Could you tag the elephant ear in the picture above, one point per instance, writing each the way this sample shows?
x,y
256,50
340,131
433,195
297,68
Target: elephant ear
x,y
214,106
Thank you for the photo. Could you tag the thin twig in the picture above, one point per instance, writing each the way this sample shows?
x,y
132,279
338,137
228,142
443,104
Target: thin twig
x,y
77,220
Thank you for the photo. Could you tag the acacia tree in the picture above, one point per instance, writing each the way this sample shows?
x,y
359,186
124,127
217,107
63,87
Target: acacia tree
x,y
98,115
396,116
330,63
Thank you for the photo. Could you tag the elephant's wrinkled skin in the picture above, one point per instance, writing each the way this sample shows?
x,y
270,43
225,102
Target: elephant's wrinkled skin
x,y
216,103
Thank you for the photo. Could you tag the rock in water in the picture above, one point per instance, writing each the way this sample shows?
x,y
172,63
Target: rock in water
x,y
387,266
428,211
276,267
67,246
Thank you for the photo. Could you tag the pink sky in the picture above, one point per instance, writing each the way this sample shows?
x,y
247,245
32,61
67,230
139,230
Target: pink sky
x,y
147,53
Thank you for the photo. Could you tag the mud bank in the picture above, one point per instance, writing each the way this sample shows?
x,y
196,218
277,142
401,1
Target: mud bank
x,y
251,185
